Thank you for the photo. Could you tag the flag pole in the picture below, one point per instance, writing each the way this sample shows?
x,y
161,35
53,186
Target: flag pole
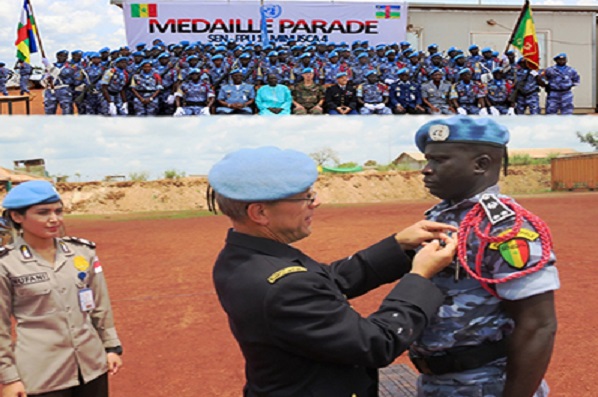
x,y
525,7
39,39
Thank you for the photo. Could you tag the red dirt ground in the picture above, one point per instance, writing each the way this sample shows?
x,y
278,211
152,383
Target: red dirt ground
x,y
176,337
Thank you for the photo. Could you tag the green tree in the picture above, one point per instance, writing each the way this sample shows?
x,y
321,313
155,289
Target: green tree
x,y
591,138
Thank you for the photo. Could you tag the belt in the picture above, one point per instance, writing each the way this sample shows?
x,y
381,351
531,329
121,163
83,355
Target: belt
x,y
560,90
113,93
191,103
460,359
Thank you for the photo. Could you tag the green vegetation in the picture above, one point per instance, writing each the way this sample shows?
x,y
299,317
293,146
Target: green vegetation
x,y
143,216
174,174
139,176
526,159
591,138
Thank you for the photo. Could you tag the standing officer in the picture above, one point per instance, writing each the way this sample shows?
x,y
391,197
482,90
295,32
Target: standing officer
x,y
298,332
558,81
93,92
113,83
25,71
341,97
146,87
435,94
197,95
58,80
495,330
526,89
373,95
5,75
405,96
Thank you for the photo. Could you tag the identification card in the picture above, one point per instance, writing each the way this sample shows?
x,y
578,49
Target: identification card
x,y
86,300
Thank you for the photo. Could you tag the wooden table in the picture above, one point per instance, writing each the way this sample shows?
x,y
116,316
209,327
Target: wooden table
x,y
10,99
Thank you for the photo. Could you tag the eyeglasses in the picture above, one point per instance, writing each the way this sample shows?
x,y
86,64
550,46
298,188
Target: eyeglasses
x,y
310,200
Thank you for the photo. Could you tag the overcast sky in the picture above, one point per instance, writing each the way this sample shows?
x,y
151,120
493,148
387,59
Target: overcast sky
x,y
95,147
89,25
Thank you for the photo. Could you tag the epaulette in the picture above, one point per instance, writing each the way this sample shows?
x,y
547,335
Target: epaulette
x,y
274,277
80,241
4,251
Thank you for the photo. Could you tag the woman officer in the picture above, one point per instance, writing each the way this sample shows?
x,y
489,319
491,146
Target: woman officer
x,y
53,286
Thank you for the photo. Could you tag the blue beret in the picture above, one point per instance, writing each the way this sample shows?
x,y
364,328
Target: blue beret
x,y
342,43
268,47
433,46
559,56
192,57
115,51
194,70
486,49
435,70
273,54
356,42
125,47
307,70
380,46
156,47
2,63
341,74
405,43
244,56
413,54
184,42
305,56
140,45
403,71
464,129
310,48
497,69
436,55
138,54
282,52
77,52
464,70
218,56
332,54
370,72
62,52
221,48
105,49
94,55
146,62
473,47
510,52
164,55
362,55
263,174
387,53
30,193
451,49
458,57
120,59
235,71
239,47
330,43
495,53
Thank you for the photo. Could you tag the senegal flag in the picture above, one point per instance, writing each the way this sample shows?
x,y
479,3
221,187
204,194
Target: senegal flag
x,y
144,10
524,37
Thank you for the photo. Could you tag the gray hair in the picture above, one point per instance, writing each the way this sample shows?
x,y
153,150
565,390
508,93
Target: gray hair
x,y
234,209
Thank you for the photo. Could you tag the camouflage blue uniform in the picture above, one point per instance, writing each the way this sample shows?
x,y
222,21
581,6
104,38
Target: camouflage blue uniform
x,y
93,97
329,71
467,95
559,81
146,85
196,96
437,96
373,94
4,76
78,84
359,72
60,93
389,72
169,76
470,315
115,80
527,91
231,93
25,71
498,94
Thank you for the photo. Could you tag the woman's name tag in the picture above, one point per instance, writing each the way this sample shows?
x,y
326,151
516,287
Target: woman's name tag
x,y
86,300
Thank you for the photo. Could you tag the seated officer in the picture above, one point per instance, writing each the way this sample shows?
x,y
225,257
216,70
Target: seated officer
x,y
298,332
340,98
405,95
372,96
236,98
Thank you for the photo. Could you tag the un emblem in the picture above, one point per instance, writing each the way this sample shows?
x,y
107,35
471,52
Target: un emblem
x,y
271,10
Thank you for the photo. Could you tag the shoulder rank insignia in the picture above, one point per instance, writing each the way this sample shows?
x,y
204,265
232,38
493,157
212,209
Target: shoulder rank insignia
x,y
80,241
516,251
4,251
495,209
287,270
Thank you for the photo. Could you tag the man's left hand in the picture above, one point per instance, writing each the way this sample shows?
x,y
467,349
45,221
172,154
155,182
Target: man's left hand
x,y
115,363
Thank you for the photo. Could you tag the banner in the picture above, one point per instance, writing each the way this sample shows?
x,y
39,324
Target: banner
x,y
243,21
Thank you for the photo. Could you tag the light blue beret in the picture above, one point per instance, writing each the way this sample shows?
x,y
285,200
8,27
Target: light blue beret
x,y
435,70
194,71
62,52
436,55
273,54
305,56
235,71
332,54
462,129
370,72
140,45
510,52
433,46
120,59
473,47
486,49
451,49
135,54
105,49
341,74
403,71
244,56
76,52
30,193
307,70
362,55
458,57
387,53
164,55
263,174
495,53
184,42
192,57
463,71
215,57
94,55
146,62
406,43
561,55
381,46
497,69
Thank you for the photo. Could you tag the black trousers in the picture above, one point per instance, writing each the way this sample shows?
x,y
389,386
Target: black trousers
x,y
96,388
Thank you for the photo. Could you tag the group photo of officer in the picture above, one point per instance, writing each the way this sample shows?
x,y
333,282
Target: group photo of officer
x,y
194,79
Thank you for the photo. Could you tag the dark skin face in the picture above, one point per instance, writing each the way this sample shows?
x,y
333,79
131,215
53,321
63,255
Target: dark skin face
x,y
466,77
77,57
372,78
404,76
147,68
475,51
61,58
457,171
272,80
237,78
561,61
436,77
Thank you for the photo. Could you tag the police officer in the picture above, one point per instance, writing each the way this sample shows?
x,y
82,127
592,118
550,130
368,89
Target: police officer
x,y
373,95
468,96
558,81
5,74
340,99
196,96
93,91
308,97
526,89
435,94
54,288
363,66
25,71
498,97
78,65
497,321
405,95
298,333
237,97
146,87
113,84
58,81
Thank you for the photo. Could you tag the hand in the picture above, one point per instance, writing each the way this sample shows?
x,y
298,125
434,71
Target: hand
x,y
483,112
379,106
434,109
170,99
46,62
494,111
14,389
124,108
414,235
400,108
112,109
370,106
179,112
115,363
511,112
461,111
205,111
434,257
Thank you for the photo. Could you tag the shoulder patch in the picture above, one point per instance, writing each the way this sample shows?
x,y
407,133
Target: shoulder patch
x,y
287,270
79,241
